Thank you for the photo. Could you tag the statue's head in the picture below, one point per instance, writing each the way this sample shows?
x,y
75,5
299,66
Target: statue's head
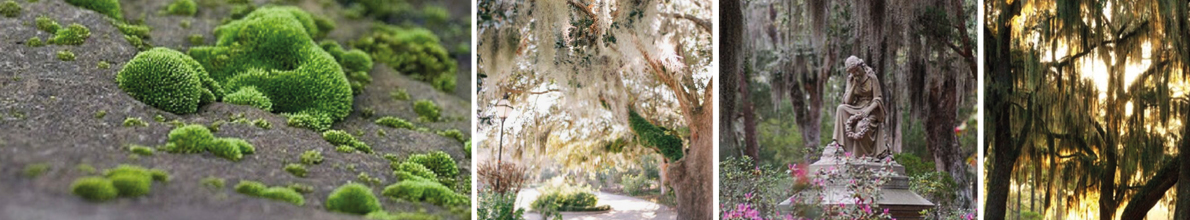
x,y
854,65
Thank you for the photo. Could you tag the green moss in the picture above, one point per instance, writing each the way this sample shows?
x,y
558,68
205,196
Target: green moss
x,y
439,162
425,191
189,139
296,169
300,188
365,178
213,183
111,8
272,49
409,170
159,175
426,110
436,14
75,34
249,96
345,149
416,52
130,184
394,122
195,39
226,148
353,198
141,150
47,24
159,118
182,7
100,114
10,9
284,194
34,42
467,146
356,60
137,42
134,122
454,134
103,65
65,55
655,137
141,31
168,80
400,94
261,123
338,137
35,170
383,215
252,188
85,168
95,189
312,157
324,24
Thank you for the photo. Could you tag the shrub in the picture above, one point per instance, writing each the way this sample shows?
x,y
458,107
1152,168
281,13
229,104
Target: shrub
x,y
414,51
296,169
249,96
634,184
214,183
558,196
95,189
655,137
35,42
394,122
111,8
47,24
453,134
439,162
131,184
141,150
189,139
493,205
35,170
284,194
356,60
168,80
182,7
353,198
426,110
312,157
10,9
74,34
65,55
424,190
409,170
252,188
272,49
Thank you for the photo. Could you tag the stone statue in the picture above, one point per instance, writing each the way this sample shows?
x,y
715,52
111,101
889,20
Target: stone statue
x,y
859,117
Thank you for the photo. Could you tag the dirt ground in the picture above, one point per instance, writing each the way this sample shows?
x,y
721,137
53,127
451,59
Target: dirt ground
x,y
48,114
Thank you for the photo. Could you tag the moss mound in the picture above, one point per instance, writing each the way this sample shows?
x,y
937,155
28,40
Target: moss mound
x,y
168,80
279,193
95,189
353,198
410,170
340,138
394,122
182,7
414,51
198,138
10,9
425,190
272,49
111,8
426,110
249,96
123,180
439,162
47,24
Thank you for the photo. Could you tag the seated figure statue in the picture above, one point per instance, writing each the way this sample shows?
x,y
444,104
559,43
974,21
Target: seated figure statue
x,y
859,117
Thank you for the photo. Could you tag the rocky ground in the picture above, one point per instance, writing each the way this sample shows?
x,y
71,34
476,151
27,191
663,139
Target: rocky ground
x,y
49,114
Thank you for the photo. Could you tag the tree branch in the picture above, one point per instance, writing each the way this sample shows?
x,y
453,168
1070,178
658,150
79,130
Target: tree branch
x,y
1152,191
702,23
524,91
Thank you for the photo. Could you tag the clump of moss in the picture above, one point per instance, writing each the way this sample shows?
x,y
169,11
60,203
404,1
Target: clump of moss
x,y
339,138
168,80
141,150
272,49
301,188
312,157
197,138
249,187
400,95
654,137
410,170
365,178
296,169
414,51
35,42
213,183
257,189
426,110
195,39
441,163
10,9
94,188
261,123
182,7
249,96
47,24
454,134
75,34
133,122
35,170
85,168
138,42
353,198
111,8
394,122
65,55
345,149
356,60
131,184
103,65
424,190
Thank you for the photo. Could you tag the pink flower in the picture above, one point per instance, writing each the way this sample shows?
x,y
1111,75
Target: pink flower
x,y
748,196
847,154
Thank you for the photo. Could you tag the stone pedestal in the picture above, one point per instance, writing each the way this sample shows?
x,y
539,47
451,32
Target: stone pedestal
x,y
894,194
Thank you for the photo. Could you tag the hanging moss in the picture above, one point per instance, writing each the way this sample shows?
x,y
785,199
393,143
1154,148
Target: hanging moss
x,y
652,136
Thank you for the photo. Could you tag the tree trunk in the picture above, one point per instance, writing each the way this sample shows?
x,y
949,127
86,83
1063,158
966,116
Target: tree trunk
x,y
751,147
692,175
1004,154
729,61
941,138
1155,188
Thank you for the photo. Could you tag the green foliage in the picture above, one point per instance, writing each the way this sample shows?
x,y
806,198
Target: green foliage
x,y
296,169
410,170
34,42
168,80
249,96
312,157
284,194
356,60
634,184
441,163
10,9
47,24
559,197
424,190
272,49
75,34
65,55
141,150
131,184
413,51
189,139
345,149
94,188
394,122
453,134
383,215
261,123
914,165
353,198
111,8
35,170
213,183
654,136
501,206
252,188
134,122
426,110
182,7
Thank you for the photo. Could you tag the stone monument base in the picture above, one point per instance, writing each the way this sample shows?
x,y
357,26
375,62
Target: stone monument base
x,y
894,194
